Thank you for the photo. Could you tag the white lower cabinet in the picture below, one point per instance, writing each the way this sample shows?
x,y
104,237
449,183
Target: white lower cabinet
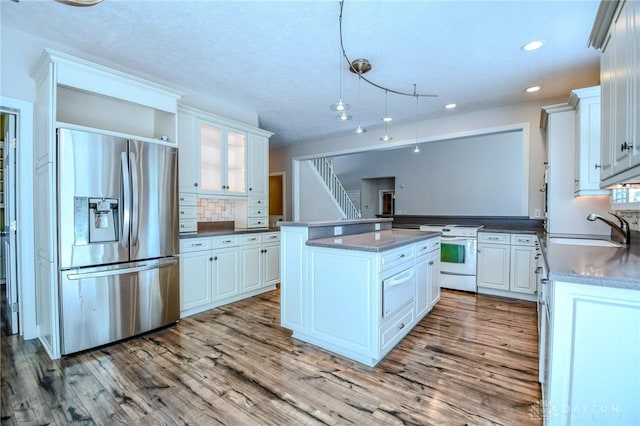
x,y
218,270
593,361
507,264
428,270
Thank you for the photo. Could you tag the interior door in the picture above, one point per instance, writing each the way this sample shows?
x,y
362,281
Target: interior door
x,y
9,230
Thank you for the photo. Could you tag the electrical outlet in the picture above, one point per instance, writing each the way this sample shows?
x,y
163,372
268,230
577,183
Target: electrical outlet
x,y
537,213
377,227
337,230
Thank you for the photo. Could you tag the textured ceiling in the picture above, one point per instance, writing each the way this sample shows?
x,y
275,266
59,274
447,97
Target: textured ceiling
x,y
281,59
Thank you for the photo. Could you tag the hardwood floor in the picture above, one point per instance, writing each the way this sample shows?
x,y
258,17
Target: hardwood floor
x,y
472,360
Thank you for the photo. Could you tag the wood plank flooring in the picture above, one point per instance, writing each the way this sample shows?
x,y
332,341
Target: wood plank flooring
x,y
472,360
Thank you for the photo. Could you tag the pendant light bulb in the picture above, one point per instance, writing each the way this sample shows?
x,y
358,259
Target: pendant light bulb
x,y
416,149
343,116
386,137
386,117
360,129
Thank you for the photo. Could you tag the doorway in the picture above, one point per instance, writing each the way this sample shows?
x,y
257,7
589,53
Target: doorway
x,y
277,198
8,253
387,201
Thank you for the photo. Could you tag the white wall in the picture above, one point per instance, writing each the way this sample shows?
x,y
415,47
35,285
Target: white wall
x,y
480,175
316,202
456,125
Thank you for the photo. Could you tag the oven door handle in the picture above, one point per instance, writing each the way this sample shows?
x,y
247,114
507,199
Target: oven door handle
x,y
456,238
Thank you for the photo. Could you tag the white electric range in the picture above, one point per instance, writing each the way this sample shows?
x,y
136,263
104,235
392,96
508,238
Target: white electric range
x,y
458,255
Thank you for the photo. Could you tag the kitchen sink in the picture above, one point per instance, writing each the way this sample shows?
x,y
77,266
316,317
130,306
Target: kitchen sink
x,y
583,242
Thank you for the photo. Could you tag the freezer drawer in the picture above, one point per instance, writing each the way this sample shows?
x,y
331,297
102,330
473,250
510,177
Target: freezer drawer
x,y
103,305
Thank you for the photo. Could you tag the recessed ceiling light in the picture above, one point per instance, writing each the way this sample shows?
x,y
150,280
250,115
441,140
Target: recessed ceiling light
x,y
532,45
450,106
532,89
80,2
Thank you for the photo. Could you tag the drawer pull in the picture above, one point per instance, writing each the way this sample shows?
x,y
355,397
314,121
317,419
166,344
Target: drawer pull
x,y
401,326
493,238
196,245
273,237
226,241
400,256
252,239
431,263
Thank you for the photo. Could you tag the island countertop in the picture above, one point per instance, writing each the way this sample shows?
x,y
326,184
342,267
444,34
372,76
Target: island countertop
x,y
374,241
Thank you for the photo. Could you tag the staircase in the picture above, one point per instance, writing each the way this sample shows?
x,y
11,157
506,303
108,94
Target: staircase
x,y
325,169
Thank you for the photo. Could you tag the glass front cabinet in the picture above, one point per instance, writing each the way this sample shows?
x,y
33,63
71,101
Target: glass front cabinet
x,y
223,159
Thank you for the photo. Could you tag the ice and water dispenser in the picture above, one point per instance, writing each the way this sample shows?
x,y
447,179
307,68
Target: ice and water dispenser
x,y
96,220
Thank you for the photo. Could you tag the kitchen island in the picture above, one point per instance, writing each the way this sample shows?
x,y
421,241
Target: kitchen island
x,y
358,287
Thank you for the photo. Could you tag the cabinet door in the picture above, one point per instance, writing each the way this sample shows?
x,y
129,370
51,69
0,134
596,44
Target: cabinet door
x,y
523,266
493,266
251,267
607,113
236,162
433,263
257,165
224,272
634,102
422,287
188,153
271,264
621,45
212,160
195,279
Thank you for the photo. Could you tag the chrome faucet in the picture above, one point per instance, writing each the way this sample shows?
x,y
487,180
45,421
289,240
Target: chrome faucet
x,y
623,229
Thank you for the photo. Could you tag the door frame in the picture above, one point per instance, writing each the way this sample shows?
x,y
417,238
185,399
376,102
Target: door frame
x,y
24,213
283,191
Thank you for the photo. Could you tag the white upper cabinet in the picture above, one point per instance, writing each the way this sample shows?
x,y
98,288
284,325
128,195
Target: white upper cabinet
x,y
586,102
619,39
219,157
258,165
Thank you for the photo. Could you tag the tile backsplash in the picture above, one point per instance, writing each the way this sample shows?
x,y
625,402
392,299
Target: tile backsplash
x,y
213,210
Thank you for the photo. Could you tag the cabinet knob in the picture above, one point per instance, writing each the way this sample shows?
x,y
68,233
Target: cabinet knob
x,y
250,189
195,183
625,146
211,259
598,166
215,258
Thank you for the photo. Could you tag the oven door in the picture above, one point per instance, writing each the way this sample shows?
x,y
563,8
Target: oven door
x,y
458,255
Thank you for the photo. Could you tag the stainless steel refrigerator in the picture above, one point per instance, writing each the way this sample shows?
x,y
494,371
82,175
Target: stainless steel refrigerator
x,y
117,238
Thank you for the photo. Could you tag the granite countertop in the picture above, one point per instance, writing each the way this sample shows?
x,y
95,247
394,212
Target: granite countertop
x,y
374,241
593,265
336,222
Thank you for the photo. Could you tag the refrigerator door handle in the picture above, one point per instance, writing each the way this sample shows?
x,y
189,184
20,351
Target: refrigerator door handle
x,y
126,212
135,204
110,272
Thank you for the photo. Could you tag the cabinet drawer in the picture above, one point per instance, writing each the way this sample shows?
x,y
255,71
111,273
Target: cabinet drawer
x,y
258,211
251,238
396,328
188,212
396,257
257,202
226,241
257,222
195,244
494,237
523,239
188,199
424,247
271,237
189,225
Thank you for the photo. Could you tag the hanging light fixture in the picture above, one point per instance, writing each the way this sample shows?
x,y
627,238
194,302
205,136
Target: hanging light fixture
x,y
386,119
340,106
359,129
416,149
360,67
